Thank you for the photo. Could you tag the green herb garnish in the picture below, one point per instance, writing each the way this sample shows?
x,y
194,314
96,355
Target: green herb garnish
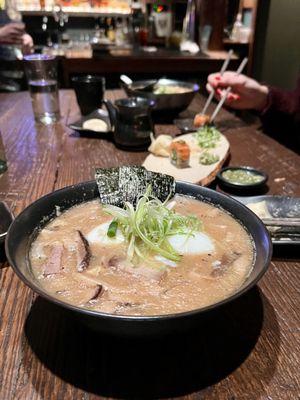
x,y
112,229
207,158
174,155
207,137
148,226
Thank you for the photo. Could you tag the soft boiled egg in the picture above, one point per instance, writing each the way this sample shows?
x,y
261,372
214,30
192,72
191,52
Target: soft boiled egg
x,y
196,243
99,235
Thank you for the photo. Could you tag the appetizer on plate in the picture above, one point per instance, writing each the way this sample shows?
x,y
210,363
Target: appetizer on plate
x,y
161,145
180,153
194,157
95,124
201,120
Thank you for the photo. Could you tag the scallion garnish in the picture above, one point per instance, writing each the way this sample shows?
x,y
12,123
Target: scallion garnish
x,y
207,158
148,226
207,137
112,229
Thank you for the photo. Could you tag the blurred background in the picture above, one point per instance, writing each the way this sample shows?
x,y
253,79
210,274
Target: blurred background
x,y
147,38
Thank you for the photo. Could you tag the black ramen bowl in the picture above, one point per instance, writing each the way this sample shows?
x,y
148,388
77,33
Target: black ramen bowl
x,y
173,102
243,186
23,230
6,218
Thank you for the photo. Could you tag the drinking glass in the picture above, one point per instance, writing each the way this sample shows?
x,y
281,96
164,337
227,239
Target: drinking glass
x,y
41,72
205,34
89,91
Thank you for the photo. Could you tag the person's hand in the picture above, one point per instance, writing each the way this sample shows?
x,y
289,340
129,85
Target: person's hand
x,y
27,44
246,93
12,33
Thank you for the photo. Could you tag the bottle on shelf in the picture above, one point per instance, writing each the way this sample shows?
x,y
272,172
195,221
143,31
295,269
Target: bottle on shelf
x,y
137,21
143,32
188,30
237,27
122,32
111,34
151,28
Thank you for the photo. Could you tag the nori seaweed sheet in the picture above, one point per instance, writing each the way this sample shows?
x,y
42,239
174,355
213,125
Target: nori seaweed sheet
x,y
128,183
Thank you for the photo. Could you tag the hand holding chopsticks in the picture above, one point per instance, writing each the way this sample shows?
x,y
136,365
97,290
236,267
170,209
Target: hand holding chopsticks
x,y
225,94
223,69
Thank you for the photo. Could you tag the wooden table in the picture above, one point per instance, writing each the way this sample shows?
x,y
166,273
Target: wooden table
x,y
246,350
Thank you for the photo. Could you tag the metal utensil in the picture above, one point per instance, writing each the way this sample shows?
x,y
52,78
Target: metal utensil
x,y
282,222
283,227
147,88
285,238
281,208
150,86
125,79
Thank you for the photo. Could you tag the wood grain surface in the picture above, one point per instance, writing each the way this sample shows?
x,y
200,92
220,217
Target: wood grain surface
x,y
247,350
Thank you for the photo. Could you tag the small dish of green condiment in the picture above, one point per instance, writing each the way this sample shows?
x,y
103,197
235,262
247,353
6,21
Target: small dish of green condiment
x,y
242,177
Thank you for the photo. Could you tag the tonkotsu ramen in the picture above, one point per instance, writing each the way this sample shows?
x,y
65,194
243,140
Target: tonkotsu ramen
x,y
150,259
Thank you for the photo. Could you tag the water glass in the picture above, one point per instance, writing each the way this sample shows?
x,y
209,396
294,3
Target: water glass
x,y
41,72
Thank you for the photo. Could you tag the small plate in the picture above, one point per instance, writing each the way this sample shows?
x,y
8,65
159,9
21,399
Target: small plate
x,y
278,207
6,218
241,186
185,125
97,114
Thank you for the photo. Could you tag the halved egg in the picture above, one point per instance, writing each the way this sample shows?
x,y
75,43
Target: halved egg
x,y
99,235
196,243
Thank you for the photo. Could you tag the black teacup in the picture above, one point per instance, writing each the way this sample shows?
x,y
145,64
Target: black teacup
x,y
131,122
89,91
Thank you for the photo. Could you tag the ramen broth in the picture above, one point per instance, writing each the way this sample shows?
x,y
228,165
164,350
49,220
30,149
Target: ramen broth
x,y
74,260
170,89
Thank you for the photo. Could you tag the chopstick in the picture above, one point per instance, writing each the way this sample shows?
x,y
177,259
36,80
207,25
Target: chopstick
x,y
284,222
223,69
225,94
283,228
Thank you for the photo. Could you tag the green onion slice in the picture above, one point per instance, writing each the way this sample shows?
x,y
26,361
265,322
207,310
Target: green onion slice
x,y
148,226
207,137
112,229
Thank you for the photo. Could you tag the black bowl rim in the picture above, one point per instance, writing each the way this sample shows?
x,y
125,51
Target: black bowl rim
x,y
240,185
88,78
195,87
9,216
37,289
142,102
